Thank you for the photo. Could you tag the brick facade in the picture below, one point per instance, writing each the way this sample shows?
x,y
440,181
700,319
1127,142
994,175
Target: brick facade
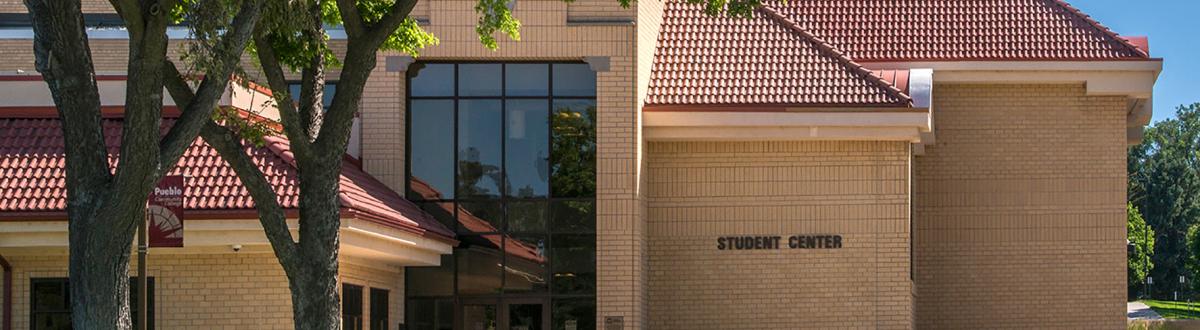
x,y
1020,206
703,190
245,290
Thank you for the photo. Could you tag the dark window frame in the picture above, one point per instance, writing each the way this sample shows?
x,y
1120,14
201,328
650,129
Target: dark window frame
x,y
548,202
65,284
346,300
379,316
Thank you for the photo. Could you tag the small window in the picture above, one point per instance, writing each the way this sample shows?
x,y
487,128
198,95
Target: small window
x,y
379,309
50,303
352,307
326,96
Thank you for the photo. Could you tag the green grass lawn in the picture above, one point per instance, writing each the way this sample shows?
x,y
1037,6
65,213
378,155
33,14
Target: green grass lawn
x,y
1175,309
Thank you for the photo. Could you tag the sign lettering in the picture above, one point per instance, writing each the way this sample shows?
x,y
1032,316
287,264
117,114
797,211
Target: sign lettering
x,y
165,210
778,242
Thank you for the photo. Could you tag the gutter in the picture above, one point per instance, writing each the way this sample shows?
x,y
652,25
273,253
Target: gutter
x,y
8,296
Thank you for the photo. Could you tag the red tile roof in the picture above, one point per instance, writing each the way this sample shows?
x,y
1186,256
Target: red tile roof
x,y
804,53
911,30
765,60
32,179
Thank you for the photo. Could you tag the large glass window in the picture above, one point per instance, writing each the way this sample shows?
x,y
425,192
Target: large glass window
x,y
505,155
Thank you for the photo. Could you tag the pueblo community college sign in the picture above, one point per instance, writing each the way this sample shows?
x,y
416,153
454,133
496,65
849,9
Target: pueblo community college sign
x,y
778,242
165,211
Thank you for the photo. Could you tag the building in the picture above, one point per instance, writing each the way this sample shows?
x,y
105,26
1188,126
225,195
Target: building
x,y
825,164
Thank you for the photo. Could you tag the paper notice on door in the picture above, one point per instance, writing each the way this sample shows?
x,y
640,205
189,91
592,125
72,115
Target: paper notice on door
x,y
570,325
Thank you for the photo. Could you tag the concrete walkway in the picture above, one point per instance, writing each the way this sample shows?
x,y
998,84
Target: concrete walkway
x,y
1136,310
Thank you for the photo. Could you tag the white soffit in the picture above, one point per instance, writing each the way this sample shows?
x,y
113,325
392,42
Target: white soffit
x,y
734,126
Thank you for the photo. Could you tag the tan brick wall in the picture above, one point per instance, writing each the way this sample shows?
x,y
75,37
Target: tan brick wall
x,y
1020,209
192,291
596,9
245,290
699,191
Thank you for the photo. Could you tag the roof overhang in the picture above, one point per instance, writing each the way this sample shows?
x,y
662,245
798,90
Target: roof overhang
x,y
1133,79
360,239
779,122
29,91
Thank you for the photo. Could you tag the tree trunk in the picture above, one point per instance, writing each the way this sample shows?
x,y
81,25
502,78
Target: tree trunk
x,y
99,279
315,302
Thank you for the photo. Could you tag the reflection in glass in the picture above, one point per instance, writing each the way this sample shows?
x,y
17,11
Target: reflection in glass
x,y
574,314
573,138
574,263
431,79
480,217
574,80
527,217
573,216
479,148
525,317
527,80
479,264
525,270
421,314
505,154
432,132
442,211
527,148
479,80
445,314
432,281
479,316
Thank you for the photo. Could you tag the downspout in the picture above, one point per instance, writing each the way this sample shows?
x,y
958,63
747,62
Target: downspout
x,y
8,296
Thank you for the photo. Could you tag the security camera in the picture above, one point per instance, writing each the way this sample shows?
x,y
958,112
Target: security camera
x,y
236,247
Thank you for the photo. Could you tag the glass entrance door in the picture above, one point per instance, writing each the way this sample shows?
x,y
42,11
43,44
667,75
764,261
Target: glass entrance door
x,y
479,315
527,315
510,314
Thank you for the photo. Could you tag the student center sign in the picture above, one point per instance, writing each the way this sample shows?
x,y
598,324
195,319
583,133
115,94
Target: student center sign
x,y
825,164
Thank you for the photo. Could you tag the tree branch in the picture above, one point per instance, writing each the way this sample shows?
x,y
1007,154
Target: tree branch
x,y
357,66
63,57
312,81
379,31
272,69
270,213
352,21
195,114
229,146
141,126
131,13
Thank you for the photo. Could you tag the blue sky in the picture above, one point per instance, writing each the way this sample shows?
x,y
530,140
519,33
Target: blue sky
x,y
1173,35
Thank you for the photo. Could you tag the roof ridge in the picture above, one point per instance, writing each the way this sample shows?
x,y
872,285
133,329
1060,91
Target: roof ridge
x,y
1079,14
835,53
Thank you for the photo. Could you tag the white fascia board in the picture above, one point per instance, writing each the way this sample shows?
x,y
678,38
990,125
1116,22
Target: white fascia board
x,y
1148,65
909,126
918,119
782,133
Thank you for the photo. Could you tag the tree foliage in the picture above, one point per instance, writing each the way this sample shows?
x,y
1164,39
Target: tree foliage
x,y
1141,236
1164,184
